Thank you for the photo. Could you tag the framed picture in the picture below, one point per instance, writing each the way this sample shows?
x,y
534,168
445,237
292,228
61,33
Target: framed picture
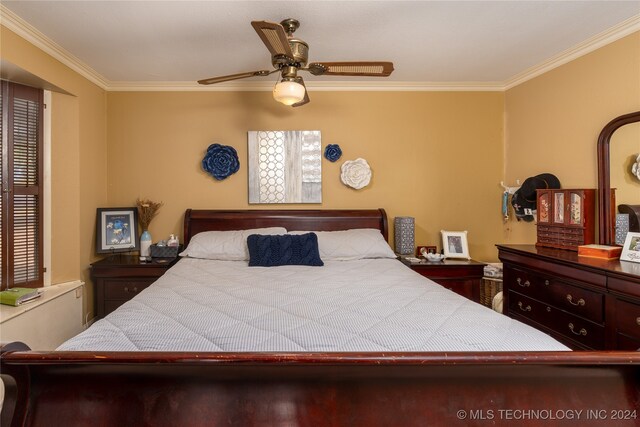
x,y
454,244
117,230
631,248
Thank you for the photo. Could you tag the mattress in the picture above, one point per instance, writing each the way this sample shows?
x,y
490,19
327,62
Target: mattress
x,y
346,306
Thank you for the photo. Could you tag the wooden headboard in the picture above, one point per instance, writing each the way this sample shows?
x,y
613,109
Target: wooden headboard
x,y
196,221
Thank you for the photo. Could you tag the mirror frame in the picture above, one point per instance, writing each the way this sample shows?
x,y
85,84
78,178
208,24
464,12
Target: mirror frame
x,y
606,215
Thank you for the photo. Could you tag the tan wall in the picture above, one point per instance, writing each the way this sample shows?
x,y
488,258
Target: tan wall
x,y
436,156
552,122
78,153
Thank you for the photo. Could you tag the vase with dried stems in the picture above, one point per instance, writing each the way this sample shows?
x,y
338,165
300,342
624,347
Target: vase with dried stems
x,y
147,210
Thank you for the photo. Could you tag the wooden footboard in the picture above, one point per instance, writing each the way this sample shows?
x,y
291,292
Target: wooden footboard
x,y
307,389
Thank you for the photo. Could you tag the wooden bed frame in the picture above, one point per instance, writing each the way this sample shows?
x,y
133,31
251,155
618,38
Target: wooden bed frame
x,y
316,389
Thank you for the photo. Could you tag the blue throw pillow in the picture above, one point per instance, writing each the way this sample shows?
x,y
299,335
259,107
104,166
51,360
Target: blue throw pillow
x,y
288,249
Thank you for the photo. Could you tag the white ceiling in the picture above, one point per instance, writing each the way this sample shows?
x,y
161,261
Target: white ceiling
x,y
470,42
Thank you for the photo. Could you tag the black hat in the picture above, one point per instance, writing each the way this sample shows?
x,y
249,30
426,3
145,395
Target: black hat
x,y
524,199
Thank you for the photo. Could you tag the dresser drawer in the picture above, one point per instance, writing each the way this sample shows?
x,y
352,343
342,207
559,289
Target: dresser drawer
x,y
111,305
624,343
575,328
125,289
461,287
628,319
579,301
525,282
461,277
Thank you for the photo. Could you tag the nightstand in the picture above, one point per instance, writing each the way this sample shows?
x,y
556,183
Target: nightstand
x,y
461,276
119,278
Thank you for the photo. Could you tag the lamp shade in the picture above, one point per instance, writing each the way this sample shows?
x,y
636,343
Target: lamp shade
x,y
404,235
288,92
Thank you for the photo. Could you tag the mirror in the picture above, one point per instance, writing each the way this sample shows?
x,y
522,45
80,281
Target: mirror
x,y
611,173
285,166
624,148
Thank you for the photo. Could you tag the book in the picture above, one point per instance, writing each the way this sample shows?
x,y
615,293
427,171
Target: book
x,y
17,296
600,251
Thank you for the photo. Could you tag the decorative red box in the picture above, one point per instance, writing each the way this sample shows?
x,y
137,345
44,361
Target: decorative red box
x,y
600,251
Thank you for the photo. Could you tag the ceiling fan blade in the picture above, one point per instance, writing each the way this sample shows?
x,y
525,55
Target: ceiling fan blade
x,y
306,99
274,37
220,79
371,68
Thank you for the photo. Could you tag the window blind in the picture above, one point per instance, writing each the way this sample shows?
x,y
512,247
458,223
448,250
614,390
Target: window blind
x,y
21,193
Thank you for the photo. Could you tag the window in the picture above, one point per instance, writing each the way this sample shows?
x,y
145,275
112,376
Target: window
x,y
21,201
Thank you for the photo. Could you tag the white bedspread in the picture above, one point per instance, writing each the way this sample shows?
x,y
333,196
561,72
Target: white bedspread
x,y
363,305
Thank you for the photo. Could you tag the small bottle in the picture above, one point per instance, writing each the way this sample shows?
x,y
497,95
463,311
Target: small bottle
x,y
145,246
173,240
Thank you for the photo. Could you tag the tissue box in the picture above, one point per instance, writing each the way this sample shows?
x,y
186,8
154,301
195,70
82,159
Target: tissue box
x,y
164,251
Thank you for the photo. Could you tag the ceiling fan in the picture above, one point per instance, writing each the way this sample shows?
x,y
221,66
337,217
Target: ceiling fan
x,y
289,55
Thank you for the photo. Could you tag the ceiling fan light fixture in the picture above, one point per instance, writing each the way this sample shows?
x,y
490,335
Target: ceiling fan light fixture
x,y
289,56
288,92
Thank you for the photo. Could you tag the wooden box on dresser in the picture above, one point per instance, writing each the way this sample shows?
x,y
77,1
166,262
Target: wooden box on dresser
x,y
118,278
586,303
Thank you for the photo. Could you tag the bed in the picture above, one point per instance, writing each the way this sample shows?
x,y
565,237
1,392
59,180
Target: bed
x,y
254,357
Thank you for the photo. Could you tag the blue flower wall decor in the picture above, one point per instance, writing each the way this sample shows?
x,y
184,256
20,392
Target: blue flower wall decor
x,y
221,161
332,152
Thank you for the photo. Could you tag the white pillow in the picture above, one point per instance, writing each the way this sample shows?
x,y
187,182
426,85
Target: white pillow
x,y
347,245
225,245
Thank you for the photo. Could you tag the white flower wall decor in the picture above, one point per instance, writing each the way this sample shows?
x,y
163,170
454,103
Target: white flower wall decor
x,y
355,173
635,169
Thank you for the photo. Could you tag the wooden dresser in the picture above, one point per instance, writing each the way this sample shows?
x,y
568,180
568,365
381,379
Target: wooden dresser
x,y
586,303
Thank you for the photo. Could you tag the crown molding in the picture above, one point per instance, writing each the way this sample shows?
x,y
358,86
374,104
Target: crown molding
x,y
317,86
25,30
609,36
28,32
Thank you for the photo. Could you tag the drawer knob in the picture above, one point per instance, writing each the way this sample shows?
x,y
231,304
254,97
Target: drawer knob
x,y
548,309
580,302
582,331
546,283
524,284
638,321
134,290
527,308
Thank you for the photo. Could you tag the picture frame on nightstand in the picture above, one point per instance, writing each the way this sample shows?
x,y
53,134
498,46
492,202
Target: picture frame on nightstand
x,y
455,244
117,230
631,248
